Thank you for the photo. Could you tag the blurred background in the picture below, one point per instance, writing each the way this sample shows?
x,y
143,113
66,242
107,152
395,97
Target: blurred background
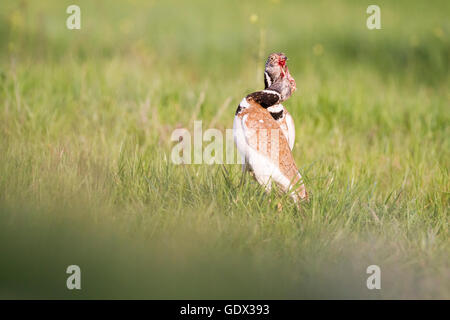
x,y
85,174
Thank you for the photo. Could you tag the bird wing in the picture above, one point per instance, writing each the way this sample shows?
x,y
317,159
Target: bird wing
x,y
263,145
265,148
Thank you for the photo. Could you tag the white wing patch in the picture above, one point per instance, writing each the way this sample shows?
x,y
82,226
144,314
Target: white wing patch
x,y
240,139
244,103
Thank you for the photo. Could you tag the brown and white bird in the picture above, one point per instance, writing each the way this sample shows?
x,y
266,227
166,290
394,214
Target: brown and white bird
x,y
260,139
278,111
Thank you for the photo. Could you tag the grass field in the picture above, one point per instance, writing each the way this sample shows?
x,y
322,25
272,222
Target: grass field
x,y
86,178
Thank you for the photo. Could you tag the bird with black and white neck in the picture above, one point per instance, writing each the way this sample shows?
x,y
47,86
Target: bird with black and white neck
x,y
259,137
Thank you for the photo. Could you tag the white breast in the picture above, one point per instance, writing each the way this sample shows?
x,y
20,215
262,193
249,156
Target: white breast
x,y
290,130
286,123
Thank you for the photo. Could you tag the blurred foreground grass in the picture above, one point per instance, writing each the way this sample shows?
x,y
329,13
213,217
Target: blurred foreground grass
x,y
85,172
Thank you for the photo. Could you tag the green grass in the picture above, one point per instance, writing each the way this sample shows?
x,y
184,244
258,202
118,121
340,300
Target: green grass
x,y
85,171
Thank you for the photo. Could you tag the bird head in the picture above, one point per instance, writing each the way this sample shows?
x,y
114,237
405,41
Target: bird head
x,y
277,75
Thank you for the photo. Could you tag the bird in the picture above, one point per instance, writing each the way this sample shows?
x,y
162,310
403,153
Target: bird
x,y
260,139
278,111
